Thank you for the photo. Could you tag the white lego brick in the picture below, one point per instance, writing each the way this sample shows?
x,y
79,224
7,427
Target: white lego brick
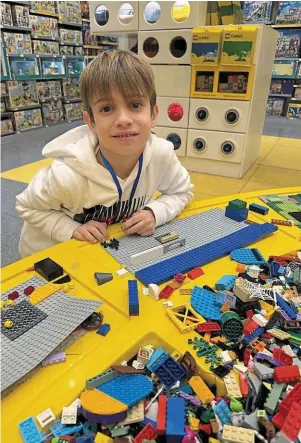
x,y
219,115
121,272
240,369
147,255
171,15
225,356
45,417
167,304
69,415
112,18
76,403
288,350
214,145
165,47
153,291
172,81
137,365
145,291
260,320
177,136
173,112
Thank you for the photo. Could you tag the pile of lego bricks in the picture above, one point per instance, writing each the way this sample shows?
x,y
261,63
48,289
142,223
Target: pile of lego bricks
x,y
249,337
288,206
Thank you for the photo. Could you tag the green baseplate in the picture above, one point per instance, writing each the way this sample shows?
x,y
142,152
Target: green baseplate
x,y
288,206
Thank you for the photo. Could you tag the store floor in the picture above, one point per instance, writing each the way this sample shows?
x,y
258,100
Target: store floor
x,y
278,165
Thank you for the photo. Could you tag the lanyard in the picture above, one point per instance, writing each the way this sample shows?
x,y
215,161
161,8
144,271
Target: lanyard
x,y
116,181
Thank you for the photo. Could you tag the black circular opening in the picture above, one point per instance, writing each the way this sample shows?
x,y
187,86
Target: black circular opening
x,y
178,47
199,144
175,139
232,116
202,114
151,47
228,148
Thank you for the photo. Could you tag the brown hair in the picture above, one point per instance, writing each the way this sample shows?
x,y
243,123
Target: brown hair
x,y
130,74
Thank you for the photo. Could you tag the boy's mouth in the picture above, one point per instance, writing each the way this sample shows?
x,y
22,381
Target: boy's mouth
x,y
125,135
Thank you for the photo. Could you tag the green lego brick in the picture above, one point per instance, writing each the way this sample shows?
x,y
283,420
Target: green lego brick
x,y
273,398
237,204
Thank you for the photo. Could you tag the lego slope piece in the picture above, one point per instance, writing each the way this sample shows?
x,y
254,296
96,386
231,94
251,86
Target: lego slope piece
x,y
248,256
128,389
30,432
64,314
175,420
204,302
202,255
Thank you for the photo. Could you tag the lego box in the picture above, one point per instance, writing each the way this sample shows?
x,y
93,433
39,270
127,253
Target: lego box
x,y
206,44
289,12
5,15
71,88
294,110
17,43
44,47
238,45
43,6
73,111
52,112
20,15
30,118
70,11
22,94
49,89
7,126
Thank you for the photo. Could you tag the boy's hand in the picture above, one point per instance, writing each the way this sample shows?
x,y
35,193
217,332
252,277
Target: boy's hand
x,y
93,232
142,223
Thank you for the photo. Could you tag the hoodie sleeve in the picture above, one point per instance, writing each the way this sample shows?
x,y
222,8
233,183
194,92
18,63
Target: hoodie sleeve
x,y
175,186
41,203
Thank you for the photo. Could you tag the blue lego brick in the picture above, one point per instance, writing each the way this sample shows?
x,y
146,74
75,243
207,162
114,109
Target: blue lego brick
x,y
175,420
30,432
88,438
246,340
275,269
237,214
133,297
222,297
166,269
225,283
223,412
129,388
254,207
58,429
157,359
248,256
104,329
286,307
147,421
170,372
204,302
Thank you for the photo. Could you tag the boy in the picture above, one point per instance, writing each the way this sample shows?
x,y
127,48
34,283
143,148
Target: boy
x,y
107,170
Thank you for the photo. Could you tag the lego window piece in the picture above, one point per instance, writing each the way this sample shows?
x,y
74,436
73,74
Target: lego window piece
x,y
24,317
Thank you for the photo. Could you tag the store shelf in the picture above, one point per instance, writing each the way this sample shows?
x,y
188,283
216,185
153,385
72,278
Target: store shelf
x,y
90,56
24,108
280,95
17,3
42,37
44,13
287,25
296,99
15,28
70,44
45,100
6,114
288,58
66,101
21,55
75,25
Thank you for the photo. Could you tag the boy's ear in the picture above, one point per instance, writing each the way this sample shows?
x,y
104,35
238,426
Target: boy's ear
x,y
155,115
89,122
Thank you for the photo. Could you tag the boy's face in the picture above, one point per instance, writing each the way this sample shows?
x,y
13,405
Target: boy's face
x,y
122,127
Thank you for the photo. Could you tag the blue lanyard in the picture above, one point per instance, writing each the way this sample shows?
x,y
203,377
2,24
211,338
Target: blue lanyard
x,y
116,181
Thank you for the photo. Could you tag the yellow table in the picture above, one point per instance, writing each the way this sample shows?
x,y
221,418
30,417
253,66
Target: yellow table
x,y
58,385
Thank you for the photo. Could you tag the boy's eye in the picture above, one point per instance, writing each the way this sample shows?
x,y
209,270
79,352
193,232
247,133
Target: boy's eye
x,y
136,105
105,109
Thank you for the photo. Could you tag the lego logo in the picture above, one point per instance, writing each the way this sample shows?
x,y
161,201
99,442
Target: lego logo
x,y
227,35
236,36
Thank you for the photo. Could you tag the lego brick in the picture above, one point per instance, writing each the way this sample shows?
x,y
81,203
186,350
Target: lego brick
x,y
259,209
53,359
60,430
30,432
273,398
225,283
232,386
286,307
244,387
128,389
292,423
13,295
135,414
48,269
293,396
43,292
204,302
170,372
69,415
45,417
282,357
277,333
145,256
157,358
253,335
98,406
250,327
104,329
223,412
195,273
123,369
201,389
235,434
64,315
101,378
175,420
222,297
147,433
262,371
24,316
286,374
238,215
208,326
248,256
161,417
133,297
102,277
237,204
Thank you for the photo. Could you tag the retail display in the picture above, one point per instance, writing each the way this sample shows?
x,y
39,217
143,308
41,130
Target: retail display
x,y
48,90
66,50
27,119
74,66
71,88
20,16
21,94
294,110
288,43
69,12
17,43
24,67
7,126
288,12
52,112
43,27
6,15
70,36
52,67
257,12
73,111
43,6
275,106
44,47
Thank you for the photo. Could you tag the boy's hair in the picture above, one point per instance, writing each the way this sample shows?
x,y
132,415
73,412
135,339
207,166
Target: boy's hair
x,y
130,74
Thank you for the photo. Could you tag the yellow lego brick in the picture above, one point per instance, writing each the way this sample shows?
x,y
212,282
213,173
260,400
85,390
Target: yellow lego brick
x,y
201,389
281,335
193,423
268,308
232,386
102,438
43,292
234,434
213,440
99,403
135,414
207,337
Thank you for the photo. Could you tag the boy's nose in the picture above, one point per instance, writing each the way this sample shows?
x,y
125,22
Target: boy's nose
x,y
123,119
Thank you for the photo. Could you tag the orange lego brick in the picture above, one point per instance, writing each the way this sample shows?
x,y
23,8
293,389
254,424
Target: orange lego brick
x,y
201,389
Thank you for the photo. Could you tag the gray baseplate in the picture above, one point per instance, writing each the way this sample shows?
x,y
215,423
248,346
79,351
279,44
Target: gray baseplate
x,y
64,314
199,229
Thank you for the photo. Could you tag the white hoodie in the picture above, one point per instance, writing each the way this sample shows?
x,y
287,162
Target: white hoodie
x,y
76,189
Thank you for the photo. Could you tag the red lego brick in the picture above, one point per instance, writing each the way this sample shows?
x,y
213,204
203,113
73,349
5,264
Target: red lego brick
x,y
147,433
266,335
247,355
282,357
205,428
250,327
292,424
161,418
250,314
195,273
244,387
13,295
286,374
208,326
166,292
278,420
179,277
29,290
293,396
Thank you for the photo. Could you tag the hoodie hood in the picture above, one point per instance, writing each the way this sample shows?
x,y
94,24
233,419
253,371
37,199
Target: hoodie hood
x,y
77,148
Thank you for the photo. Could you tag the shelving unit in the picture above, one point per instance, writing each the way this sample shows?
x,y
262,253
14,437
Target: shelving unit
x,y
59,44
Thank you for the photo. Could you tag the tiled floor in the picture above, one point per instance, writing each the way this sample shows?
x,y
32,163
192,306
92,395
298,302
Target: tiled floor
x,y
278,165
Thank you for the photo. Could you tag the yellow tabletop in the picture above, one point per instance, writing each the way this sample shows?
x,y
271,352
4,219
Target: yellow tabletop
x,y
58,385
